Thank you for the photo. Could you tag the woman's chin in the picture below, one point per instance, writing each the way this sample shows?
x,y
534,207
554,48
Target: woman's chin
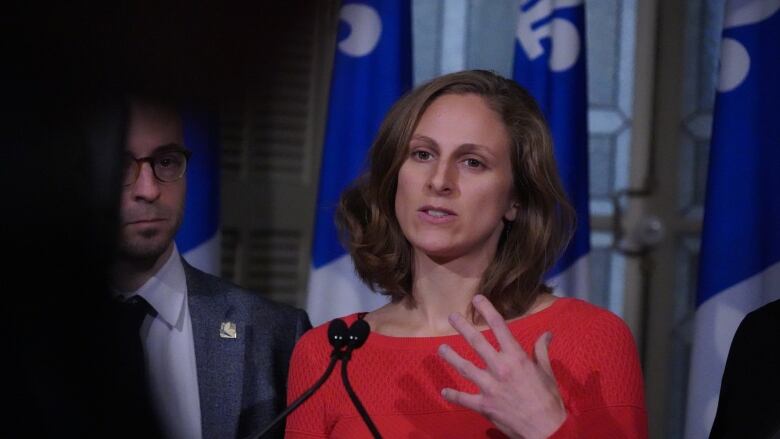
x,y
443,253
439,253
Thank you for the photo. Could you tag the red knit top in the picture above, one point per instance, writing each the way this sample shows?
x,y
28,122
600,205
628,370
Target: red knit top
x,y
399,380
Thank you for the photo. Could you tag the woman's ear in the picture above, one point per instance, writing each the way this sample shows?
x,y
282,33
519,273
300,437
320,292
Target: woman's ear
x,y
511,213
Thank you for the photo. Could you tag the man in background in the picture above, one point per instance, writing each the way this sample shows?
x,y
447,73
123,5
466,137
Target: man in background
x,y
215,355
66,69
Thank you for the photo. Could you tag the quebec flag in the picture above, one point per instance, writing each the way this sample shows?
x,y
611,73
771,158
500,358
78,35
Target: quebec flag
x,y
739,268
550,63
372,68
198,239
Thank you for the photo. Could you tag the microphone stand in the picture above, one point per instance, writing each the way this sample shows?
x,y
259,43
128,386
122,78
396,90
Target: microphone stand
x,y
338,333
334,357
353,396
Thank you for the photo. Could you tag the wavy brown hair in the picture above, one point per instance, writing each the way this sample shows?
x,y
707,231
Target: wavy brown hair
x,y
529,245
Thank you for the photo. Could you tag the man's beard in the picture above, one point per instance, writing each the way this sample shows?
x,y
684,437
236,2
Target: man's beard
x,y
147,246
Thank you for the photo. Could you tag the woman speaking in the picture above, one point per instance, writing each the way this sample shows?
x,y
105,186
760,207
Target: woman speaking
x,y
458,218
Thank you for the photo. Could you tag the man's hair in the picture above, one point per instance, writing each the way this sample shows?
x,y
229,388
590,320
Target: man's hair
x,y
528,246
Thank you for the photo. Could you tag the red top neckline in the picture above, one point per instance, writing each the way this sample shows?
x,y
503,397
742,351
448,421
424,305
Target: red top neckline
x,y
378,340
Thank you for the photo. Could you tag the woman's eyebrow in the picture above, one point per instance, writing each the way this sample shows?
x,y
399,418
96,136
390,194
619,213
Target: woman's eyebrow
x,y
475,148
423,138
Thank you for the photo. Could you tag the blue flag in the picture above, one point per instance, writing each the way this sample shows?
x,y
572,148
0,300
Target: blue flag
x,y
550,63
372,69
739,268
198,239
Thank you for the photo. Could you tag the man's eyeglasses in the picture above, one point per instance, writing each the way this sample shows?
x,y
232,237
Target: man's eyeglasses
x,y
167,166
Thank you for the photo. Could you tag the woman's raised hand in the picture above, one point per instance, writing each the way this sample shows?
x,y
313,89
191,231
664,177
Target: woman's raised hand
x,y
519,395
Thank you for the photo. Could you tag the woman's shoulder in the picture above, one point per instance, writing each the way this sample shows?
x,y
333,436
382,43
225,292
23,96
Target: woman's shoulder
x,y
594,353
582,315
589,331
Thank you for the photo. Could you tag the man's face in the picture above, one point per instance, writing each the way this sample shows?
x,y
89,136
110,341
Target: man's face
x,y
150,210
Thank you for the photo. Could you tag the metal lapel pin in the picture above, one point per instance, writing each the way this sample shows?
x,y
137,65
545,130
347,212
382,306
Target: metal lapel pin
x,y
227,330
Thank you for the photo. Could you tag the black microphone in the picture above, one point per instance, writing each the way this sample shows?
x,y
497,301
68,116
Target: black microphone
x,y
357,334
338,337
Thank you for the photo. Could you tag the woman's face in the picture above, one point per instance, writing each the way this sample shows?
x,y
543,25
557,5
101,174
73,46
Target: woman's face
x,y
455,186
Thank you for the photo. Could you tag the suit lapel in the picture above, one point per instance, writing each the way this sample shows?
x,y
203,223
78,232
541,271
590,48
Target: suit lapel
x,y
219,360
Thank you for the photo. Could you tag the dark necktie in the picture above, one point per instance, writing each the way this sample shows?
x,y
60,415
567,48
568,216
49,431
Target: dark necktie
x,y
130,315
128,376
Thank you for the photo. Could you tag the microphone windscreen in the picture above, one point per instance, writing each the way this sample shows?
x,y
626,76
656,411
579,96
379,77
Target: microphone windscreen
x,y
337,333
358,333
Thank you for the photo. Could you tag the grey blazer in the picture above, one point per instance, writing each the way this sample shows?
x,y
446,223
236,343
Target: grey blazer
x,y
242,381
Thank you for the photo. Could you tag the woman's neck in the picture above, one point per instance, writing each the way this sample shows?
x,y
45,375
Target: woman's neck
x,y
438,290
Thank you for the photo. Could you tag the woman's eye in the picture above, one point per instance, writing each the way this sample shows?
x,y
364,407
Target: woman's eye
x,y
473,163
422,155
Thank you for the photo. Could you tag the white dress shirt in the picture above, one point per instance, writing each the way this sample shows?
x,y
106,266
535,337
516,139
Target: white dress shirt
x,y
170,352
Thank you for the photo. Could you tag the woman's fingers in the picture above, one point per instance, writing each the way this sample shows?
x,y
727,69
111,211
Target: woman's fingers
x,y
542,356
496,323
474,338
468,400
519,395
466,368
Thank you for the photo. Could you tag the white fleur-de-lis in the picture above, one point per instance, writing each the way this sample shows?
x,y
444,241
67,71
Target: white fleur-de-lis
x,y
365,29
734,57
564,35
